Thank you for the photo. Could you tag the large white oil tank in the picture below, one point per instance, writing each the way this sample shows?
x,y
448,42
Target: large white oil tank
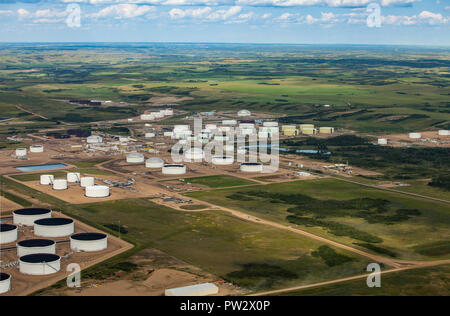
x,y
88,242
40,264
194,154
154,162
73,177
60,184
87,181
27,216
382,141
444,132
33,246
21,152
54,227
36,149
47,179
203,289
135,158
251,167
222,160
150,135
415,135
94,139
5,282
173,169
244,113
8,233
97,191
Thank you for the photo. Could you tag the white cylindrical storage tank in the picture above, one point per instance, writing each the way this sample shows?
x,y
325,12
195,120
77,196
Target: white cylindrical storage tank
x,y
194,154
382,141
168,134
229,122
444,132
94,139
150,135
174,169
251,167
60,184
27,216
5,282
36,149
97,191
87,182
88,242
21,152
40,264
154,162
270,124
135,158
415,135
222,160
34,246
73,177
8,233
243,113
47,179
54,227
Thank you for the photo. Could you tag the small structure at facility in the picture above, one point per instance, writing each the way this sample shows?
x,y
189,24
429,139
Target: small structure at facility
x,y
8,233
415,135
444,132
194,290
54,227
40,264
94,139
5,282
97,191
27,216
34,246
88,242
244,113
382,141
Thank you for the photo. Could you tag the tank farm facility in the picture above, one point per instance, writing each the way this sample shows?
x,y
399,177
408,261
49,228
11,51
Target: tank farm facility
x,y
210,173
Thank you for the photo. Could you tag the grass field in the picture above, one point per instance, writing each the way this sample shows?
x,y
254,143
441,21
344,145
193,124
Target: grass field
x,y
37,176
349,223
433,281
220,181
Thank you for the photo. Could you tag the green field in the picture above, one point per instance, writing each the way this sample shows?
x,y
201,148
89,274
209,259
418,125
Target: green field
x,y
433,281
37,176
221,181
389,222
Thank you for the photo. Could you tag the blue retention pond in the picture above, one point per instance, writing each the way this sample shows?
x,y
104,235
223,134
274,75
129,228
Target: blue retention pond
x,y
41,167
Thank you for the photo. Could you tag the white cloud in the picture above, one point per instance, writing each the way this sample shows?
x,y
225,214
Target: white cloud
x,y
123,11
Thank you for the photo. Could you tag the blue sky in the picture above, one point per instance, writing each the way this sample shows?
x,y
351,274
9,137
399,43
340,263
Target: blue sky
x,y
405,22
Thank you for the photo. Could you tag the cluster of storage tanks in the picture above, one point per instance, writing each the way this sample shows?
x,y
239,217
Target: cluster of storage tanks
x,y
88,183
156,115
34,149
305,129
38,256
156,163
